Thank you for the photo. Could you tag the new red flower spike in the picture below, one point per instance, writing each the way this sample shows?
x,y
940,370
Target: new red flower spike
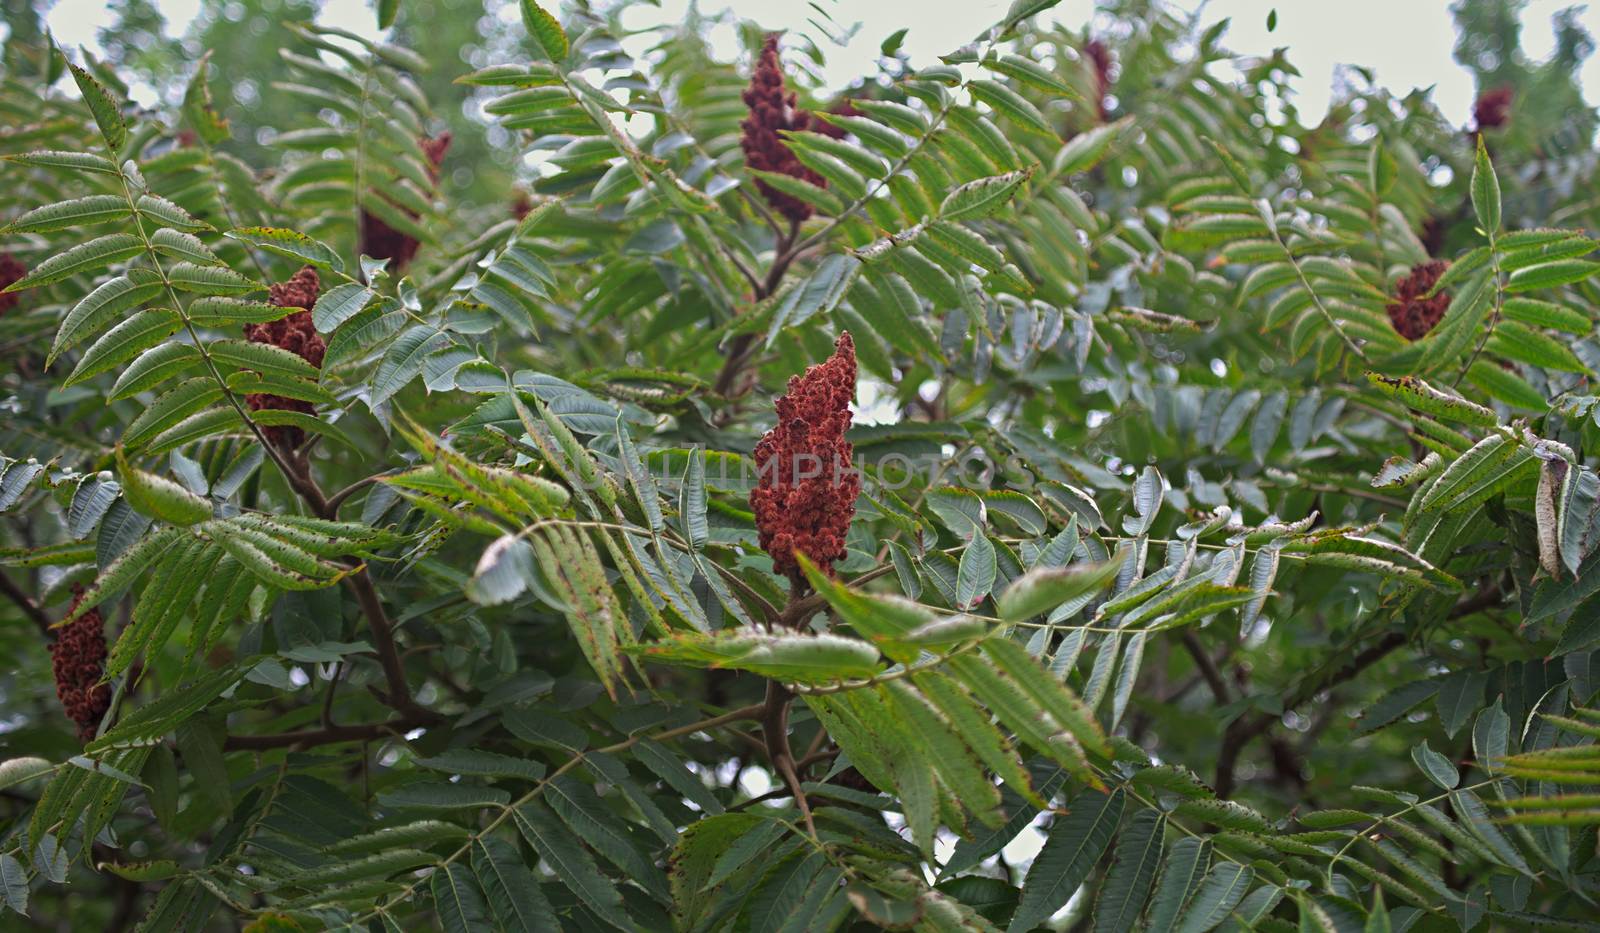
x,y
381,241
1099,55
1492,109
772,109
806,488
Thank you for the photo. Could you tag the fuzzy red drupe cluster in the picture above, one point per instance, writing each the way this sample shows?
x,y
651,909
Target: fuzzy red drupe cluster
x,y
1099,55
78,658
806,485
1412,314
773,110
11,270
381,241
297,334
1492,109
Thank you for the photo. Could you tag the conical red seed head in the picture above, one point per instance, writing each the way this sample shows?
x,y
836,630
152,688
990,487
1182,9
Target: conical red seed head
x,y
1412,314
77,659
806,486
772,111
297,334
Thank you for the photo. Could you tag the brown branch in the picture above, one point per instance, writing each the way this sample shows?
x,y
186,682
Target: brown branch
x,y
338,498
29,607
1243,730
739,353
1288,762
775,729
744,270
1234,739
775,710
296,472
394,672
333,688
1352,669
786,253
816,744
827,754
1208,669
307,738
798,611
743,348
360,583
1486,598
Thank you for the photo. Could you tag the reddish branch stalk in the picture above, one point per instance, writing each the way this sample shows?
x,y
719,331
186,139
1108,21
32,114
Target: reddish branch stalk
x,y
775,711
338,498
775,729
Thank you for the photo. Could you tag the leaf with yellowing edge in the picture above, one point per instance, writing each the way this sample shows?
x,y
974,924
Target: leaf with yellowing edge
x,y
545,29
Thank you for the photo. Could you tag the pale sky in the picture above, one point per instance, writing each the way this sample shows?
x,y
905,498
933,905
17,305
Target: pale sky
x,y
1407,42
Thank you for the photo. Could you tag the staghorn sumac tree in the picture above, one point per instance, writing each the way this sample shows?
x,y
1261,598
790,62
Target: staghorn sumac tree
x,y
1177,517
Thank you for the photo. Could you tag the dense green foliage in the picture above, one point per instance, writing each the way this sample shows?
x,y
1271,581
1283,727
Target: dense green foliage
x,y
1173,550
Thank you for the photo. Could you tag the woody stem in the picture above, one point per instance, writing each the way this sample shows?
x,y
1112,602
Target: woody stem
x,y
743,347
366,593
775,729
775,712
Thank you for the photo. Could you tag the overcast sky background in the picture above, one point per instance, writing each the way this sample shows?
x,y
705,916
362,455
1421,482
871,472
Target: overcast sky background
x,y
1410,49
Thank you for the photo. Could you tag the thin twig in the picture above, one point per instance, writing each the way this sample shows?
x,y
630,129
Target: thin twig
x,y
744,270
1494,318
811,759
1208,669
399,694
1244,729
366,593
337,499
307,738
333,688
